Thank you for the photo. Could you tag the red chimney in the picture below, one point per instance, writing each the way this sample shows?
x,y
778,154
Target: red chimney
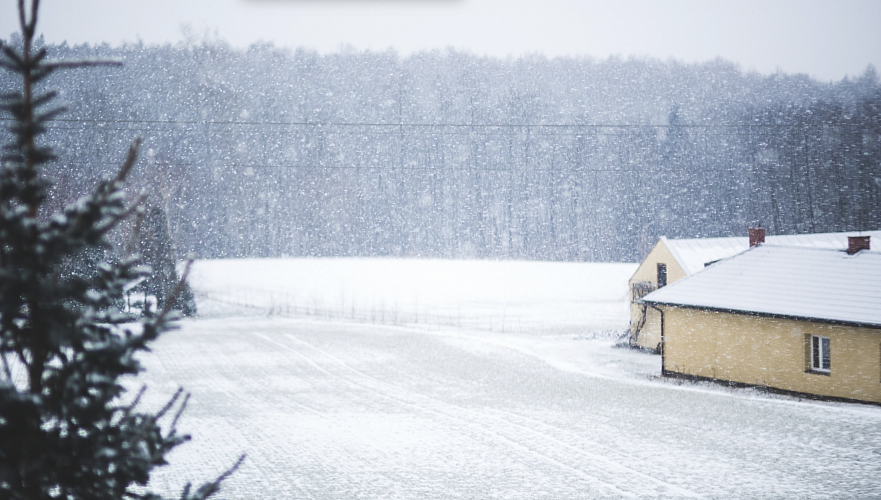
x,y
756,236
857,243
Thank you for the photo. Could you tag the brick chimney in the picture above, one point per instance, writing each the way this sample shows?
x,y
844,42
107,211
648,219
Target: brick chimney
x,y
857,243
756,236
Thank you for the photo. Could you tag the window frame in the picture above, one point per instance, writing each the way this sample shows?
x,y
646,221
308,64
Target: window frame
x,y
661,277
821,354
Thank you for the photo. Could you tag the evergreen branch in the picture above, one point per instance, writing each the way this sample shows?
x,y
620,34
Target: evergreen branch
x,y
43,99
232,469
49,115
131,406
185,494
170,403
10,53
21,17
208,489
107,226
180,411
41,54
35,4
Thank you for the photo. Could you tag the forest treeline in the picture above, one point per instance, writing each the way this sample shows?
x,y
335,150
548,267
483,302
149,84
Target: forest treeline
x,y
275,152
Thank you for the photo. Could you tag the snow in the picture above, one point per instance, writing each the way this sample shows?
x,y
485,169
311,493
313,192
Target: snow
x,y
693,253
811,283
328,406
496,295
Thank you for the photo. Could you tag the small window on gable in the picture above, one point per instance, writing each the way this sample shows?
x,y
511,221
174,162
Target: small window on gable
x,y
662,275
821,359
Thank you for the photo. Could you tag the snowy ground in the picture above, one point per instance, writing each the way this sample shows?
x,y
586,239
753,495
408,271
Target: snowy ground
x,y
495,295
445,399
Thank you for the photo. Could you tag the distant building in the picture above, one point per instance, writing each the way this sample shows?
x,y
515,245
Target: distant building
x,y
801,320
671,260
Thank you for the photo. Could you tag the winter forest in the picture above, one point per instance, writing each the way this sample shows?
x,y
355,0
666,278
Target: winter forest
x,y
270,152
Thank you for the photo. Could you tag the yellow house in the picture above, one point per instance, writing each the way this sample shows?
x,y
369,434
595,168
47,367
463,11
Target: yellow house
x,y
673,259
799,320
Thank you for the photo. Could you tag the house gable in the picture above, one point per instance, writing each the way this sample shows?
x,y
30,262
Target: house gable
x,y
645,322
659,254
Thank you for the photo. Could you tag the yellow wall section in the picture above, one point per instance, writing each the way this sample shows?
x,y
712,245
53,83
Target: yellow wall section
x,y
771,352
648,270
650,334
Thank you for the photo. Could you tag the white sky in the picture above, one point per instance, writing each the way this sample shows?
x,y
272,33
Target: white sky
x,y
824,38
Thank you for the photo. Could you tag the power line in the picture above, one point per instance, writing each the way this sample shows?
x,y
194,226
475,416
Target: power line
x,y
392,167
449,124
428,134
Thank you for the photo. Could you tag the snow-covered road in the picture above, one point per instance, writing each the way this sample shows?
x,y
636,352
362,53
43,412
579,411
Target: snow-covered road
x,y
332,410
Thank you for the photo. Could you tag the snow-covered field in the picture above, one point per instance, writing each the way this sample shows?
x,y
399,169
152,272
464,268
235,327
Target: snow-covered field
x,y
383,378
508,296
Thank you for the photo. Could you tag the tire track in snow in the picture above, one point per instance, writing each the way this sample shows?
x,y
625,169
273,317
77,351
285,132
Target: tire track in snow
x,y
505,427
348,384
522,427
461,421
256,394
243,386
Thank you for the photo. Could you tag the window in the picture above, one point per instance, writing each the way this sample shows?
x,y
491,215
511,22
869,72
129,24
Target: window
x,y
820,356
662,275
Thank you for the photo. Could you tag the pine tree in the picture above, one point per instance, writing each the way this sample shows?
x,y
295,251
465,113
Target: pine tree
x,y
156,252
66,429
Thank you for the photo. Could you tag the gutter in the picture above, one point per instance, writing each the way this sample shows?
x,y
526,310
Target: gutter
x,y
663,349
765,315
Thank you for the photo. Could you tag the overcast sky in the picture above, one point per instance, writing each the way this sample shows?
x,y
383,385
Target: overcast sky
x,y
824,38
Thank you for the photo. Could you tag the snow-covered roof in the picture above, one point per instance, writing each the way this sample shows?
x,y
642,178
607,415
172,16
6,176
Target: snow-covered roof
x,y
693,253
794,282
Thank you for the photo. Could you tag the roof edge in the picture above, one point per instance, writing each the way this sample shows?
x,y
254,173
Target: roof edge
x,y
675,253
876,326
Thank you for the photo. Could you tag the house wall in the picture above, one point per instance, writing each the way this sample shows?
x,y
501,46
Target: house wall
x,y
772,352
649,336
